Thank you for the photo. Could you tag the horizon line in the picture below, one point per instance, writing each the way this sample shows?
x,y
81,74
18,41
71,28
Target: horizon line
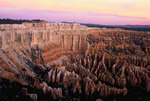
x,y
77,22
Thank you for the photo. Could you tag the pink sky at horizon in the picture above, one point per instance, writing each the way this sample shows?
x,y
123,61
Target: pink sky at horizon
x,y
107,12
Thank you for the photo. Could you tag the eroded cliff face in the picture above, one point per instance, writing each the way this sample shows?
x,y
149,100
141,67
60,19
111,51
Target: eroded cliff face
x,y
69,61
70,36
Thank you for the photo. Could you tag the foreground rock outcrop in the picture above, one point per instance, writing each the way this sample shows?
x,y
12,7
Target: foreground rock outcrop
x,y
69,61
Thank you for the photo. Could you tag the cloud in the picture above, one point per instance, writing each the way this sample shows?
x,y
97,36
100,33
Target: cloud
x,y
51,15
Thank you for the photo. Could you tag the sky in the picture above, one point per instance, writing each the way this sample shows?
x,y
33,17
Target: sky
x,y
106,12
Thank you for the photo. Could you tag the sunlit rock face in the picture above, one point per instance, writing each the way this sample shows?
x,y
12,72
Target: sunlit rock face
x,y
69,61
31,34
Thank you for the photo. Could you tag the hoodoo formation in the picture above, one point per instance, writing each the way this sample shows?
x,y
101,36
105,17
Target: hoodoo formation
x,y
68,61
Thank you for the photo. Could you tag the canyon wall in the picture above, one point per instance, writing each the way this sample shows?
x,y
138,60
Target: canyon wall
x,y
71,36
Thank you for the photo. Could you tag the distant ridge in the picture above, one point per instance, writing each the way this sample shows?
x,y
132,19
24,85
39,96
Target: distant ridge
x,y
15,21
126,27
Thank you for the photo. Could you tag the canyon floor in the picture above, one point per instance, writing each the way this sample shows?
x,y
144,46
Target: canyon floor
x,y
68,61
